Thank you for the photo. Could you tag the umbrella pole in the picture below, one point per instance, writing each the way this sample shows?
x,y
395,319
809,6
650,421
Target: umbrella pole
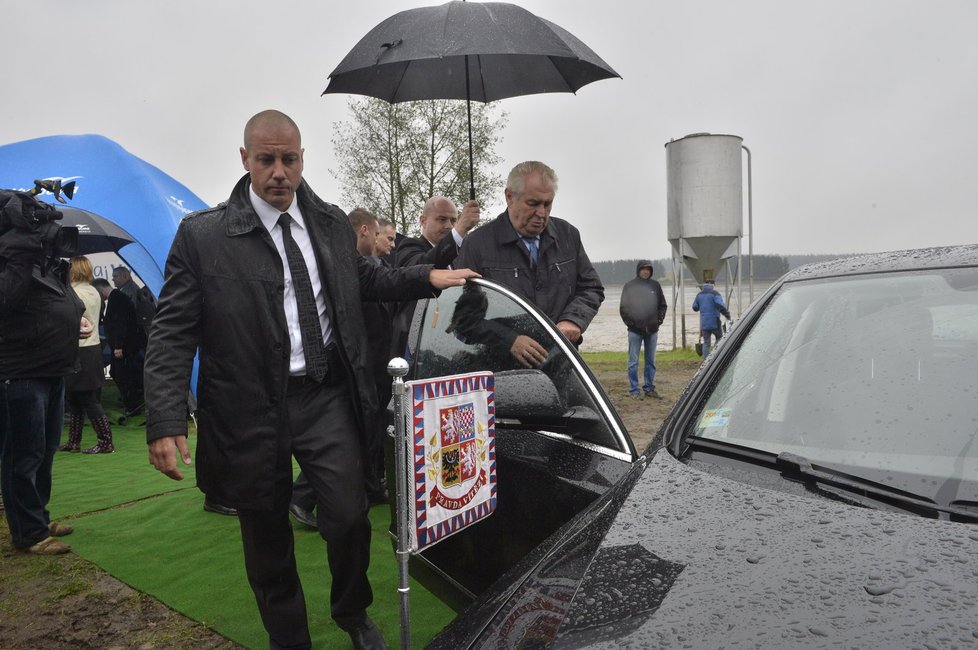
x,y
397,368
468,110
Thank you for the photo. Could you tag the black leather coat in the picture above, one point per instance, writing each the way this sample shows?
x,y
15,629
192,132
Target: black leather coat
x,y
411,251
224,294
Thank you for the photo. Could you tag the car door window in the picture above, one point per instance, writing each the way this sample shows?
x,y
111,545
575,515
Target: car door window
x,y
472,329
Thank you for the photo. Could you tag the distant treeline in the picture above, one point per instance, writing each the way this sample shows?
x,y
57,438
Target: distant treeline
x,y
766,267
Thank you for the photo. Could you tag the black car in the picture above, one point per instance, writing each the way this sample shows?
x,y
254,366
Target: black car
x,y
559,442
817,483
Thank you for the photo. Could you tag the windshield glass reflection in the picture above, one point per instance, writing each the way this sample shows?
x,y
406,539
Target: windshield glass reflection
x,y
474,329
875,375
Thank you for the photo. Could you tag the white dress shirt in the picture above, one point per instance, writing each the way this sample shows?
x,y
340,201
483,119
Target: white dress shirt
x,y
269,217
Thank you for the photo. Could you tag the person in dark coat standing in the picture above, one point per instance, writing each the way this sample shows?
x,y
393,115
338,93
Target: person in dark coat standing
x,y
40,324
267,287
128,340
539,257
443,229
642,308
126,343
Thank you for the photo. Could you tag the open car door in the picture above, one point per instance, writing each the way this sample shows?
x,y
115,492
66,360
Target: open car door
x,y
559,442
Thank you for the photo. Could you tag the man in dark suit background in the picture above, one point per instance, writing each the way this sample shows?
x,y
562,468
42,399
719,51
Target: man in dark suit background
x,y
438,219
442,232
125,339
384,246
267,286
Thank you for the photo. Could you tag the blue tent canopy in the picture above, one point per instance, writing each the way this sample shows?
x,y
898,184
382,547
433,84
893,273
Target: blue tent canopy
x,y
112,183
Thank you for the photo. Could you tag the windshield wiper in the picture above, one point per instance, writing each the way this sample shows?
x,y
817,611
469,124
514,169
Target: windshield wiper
x,y
794,465
847,487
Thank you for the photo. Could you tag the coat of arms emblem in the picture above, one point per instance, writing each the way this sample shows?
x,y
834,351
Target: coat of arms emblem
x,y
454,454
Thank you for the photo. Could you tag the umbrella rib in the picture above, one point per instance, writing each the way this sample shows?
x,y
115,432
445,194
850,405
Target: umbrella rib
x,y
481,78
397,86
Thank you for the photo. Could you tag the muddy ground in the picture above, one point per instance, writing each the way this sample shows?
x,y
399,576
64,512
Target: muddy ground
x,y
67,602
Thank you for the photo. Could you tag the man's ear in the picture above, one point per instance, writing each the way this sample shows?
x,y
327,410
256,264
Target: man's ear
x,y
244,159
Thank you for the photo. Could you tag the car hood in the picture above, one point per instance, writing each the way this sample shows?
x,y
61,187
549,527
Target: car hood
x,y
696,560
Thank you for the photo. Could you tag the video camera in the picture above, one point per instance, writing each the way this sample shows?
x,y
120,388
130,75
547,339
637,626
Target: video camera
x,y
22,211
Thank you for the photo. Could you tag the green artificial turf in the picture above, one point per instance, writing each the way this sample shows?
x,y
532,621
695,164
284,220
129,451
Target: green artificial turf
x,y
152,533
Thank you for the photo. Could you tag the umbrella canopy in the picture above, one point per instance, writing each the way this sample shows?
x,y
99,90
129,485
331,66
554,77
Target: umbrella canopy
x,y
482,51
95,234
424,53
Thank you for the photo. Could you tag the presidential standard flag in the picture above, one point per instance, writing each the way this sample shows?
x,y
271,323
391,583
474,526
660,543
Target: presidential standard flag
x,y
454,452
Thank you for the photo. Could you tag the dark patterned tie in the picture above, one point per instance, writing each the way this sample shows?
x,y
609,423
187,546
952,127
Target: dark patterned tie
x,y
309,326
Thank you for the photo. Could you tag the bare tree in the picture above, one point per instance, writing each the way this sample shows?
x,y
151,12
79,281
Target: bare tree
x,y
393,157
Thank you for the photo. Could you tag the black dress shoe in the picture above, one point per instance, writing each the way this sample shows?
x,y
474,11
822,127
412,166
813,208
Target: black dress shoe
x,y
211,506
366,636
303,516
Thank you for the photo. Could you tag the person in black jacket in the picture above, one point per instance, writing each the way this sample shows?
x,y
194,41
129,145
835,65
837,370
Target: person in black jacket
x,y
439,219
443,230
40,324
539,257
127,338
125,343
268,287
642,308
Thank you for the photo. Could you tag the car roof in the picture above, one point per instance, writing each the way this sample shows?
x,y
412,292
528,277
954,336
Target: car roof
x,y
906,260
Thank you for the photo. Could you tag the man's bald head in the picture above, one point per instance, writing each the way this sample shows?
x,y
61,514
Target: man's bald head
x,y
272,155
271,120
437,218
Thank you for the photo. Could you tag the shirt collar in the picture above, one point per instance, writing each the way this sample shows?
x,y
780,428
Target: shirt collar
x,y
269,214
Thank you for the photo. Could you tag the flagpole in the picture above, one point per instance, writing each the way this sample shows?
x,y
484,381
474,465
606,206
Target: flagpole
x,y
398,368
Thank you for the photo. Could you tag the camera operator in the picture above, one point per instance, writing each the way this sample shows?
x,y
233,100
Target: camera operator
x,y
40,323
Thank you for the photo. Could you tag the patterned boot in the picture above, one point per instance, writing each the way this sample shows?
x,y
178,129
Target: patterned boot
x,y
75,423
103,430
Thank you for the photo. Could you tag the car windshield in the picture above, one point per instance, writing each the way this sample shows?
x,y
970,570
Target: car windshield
x,y
874,375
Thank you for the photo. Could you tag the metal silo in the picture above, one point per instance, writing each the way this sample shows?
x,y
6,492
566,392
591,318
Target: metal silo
x,y
705,200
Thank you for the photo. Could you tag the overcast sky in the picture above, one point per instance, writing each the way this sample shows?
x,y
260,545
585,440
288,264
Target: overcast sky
x,y
860,114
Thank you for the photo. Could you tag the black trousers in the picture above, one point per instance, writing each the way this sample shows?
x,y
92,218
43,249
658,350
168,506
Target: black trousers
x,y
127,373
324,439
302,493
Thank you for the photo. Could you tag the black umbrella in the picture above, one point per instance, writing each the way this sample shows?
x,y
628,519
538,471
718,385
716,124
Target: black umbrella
x,y
95,234
480,51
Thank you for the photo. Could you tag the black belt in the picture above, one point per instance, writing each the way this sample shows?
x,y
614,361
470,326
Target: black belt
x,y
335,372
